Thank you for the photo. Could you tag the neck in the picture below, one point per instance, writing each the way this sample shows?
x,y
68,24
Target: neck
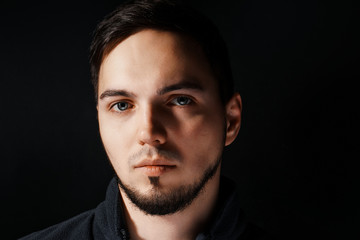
x,y
185,224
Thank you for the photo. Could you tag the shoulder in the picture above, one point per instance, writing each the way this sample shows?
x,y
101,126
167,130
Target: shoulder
x,y
230,221
78,227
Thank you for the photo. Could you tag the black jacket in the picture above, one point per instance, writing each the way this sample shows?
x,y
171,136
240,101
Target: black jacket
x,y
106,222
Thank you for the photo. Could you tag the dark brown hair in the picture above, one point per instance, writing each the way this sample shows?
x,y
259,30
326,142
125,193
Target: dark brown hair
x,y
175,16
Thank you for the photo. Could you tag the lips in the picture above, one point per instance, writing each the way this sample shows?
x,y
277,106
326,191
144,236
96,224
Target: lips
x,y
154,162
155,167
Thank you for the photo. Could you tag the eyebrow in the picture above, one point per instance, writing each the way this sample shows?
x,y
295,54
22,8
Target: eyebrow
x,y
114,93
182,85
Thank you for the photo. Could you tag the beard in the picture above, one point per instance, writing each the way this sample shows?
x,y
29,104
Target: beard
x,y
159,203
177,199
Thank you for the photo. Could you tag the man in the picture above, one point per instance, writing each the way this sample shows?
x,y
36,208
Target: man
x,y
166,108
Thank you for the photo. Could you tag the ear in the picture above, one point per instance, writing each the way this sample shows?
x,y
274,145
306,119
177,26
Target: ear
x,y
233,118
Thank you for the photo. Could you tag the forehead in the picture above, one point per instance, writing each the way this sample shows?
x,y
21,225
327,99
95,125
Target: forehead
x,y
156,58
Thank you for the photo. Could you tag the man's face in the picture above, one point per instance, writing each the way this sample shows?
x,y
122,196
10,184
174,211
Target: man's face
x,y
160,116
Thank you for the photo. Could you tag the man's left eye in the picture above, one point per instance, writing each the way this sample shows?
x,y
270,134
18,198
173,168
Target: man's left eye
x,y
181,101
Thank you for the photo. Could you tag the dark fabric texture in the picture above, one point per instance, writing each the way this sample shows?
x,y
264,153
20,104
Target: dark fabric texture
x,y
107,221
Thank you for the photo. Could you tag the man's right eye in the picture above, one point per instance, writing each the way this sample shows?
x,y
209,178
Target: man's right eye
x,y
121,106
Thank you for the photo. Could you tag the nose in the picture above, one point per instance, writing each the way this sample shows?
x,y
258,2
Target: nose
x,y
151,129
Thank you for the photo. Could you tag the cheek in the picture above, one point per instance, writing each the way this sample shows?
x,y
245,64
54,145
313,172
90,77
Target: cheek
x,y
202,138
207,123
114,136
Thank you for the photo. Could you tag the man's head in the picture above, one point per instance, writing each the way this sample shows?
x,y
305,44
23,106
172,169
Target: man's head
x,y
164,112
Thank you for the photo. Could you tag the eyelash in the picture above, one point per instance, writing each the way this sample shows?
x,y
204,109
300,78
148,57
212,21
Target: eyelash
x,y
188,99
116,105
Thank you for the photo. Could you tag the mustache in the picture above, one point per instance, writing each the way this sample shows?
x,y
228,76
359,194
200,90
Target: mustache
x,y
149,152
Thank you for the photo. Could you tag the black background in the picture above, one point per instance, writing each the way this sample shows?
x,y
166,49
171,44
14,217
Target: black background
x,y
295,161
